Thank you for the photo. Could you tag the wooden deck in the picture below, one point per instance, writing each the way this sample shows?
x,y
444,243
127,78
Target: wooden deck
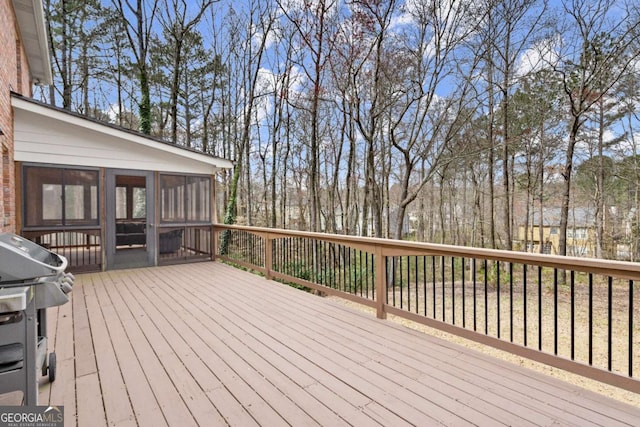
x,y
206,344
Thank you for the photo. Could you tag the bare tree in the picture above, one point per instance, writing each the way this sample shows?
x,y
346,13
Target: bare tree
x,y
312,25
259,23
517,21
366,64
138,18
179,18
422,124
74,29
597,56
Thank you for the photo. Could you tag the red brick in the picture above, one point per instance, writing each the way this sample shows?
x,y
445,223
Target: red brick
x,y
14,76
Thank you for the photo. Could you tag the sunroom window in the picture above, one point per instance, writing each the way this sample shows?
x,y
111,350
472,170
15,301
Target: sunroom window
x,y
185,199
56,197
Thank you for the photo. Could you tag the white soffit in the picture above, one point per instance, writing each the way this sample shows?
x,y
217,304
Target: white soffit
x,y
45,134
33,34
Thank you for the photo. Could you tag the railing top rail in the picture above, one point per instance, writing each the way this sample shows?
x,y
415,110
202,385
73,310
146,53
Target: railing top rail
x,y
390,247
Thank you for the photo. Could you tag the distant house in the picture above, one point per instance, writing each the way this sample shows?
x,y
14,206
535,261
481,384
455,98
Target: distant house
x,y
580,232
103,196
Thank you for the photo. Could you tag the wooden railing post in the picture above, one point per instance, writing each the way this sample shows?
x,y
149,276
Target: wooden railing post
x,y
380,281
214,243
268,255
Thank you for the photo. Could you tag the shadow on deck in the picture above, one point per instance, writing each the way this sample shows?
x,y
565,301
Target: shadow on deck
x,y
207,344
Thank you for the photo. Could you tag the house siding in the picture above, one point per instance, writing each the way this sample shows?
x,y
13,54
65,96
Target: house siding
x,y
14,76
53,137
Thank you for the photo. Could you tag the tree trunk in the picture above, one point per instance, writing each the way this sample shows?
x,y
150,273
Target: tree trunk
x,y
566,188
506,210
600,205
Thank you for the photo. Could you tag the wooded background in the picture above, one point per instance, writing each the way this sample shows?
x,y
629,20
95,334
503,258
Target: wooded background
x,y
440,121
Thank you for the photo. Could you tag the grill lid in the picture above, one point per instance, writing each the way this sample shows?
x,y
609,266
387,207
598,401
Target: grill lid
x,y
21,259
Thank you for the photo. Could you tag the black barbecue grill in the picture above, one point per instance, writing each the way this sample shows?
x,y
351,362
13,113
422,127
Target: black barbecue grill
x,y
31,279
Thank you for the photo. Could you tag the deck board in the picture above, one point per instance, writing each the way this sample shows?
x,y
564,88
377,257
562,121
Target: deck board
x,y
207,344
388,366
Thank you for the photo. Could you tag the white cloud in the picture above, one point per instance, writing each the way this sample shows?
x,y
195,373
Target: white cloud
x,y
626,147
269,83
538,57
293,7
112,113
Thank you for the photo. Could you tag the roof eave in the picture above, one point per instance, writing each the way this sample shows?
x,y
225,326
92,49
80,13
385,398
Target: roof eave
x,y
33,33
26,104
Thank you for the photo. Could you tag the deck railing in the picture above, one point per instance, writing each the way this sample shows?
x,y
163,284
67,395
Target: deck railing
x,y
81,246
577,314
177,244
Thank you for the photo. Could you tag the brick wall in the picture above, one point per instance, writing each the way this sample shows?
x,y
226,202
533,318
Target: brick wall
x,y
14,76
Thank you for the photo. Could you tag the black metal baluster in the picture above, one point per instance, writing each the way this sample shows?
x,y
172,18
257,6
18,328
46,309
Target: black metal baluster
x,y
83,245
464,296
408,284
630,329
235,240
590,319
444,299
539,308
555,311
610,322
315,261
400,284
486,299
366,272
433,275
331,254
306,263
289,260
373,275
386,275
323,262
473,269
342,258
498,294
349,268
286,255
573,315
524,301
416,283
453,291
393,284
237,244
301,257
345,270
359,274
293,248
352,271
274,255
424,283
511,301
314,246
